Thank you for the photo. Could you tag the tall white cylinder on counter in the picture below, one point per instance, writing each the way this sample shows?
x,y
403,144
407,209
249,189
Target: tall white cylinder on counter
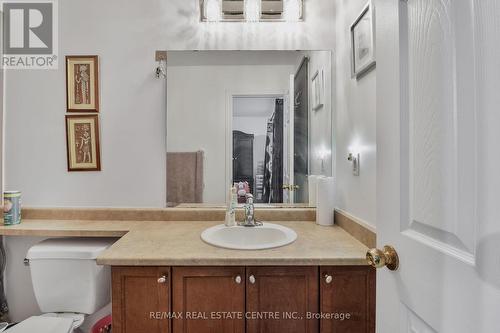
x,y
325,201
313,189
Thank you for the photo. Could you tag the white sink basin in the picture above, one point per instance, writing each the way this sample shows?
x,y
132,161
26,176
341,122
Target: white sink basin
x,y
267,236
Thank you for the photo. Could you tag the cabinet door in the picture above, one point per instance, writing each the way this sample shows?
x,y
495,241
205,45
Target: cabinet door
x,y
279,299
208,299
141,299
348,297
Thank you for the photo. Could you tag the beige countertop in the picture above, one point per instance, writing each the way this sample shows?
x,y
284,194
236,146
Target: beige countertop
x,y
70,228
178,243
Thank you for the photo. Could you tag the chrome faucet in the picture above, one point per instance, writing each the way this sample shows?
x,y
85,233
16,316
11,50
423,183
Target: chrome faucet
x,y
249,213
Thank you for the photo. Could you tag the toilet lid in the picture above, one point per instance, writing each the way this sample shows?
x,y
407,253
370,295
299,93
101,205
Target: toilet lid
x,y
76,317
43,325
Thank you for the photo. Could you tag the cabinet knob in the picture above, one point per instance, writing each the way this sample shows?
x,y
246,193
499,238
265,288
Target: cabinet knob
x,y
328,279
237,279
162,279
251,278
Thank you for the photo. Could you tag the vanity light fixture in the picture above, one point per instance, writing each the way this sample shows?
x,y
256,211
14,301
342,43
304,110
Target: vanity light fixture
x,y
251,10
161,69
233,10
271,10
282,10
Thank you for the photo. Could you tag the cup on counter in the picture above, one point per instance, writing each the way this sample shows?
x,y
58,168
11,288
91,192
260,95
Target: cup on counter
x,y
11,207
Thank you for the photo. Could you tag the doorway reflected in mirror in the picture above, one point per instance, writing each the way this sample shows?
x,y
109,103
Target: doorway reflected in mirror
x,y
258,147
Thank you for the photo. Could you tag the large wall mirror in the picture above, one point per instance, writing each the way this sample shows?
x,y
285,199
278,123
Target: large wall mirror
x,y
257,120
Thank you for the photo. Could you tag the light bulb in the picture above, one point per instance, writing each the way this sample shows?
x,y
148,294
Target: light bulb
x,y
212,10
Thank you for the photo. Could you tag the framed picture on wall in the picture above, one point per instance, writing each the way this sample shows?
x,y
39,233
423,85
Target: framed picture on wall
x,y
363,42
82,83
82,143
317,89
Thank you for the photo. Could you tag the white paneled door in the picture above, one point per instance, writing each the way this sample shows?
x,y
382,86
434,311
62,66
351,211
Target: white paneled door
x,y
438,165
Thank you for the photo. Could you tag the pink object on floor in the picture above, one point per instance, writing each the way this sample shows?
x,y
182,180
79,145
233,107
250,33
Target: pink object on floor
x,y
103,325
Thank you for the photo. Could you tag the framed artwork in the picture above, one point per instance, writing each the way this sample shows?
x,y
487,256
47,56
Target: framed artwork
x,y
82,143
318,86
363,42
82,83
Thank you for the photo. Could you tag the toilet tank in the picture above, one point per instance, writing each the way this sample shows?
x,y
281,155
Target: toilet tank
x,y
65,275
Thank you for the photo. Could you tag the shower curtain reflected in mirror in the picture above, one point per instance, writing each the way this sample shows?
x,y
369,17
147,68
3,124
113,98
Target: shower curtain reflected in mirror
x,y
273,160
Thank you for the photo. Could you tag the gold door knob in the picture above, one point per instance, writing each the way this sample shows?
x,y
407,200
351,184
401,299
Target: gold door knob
x,y
380,258
291,187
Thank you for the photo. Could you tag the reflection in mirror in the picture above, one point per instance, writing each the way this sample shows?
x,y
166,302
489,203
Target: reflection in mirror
x,y
247,119
258,147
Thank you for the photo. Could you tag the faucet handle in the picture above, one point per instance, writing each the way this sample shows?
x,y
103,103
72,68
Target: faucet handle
x,y
249,197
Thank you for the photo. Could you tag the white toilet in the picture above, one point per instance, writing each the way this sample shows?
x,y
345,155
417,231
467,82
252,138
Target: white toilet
x,y
67,282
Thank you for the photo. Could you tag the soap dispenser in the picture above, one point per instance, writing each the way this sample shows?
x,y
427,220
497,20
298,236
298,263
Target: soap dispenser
x,y
230,220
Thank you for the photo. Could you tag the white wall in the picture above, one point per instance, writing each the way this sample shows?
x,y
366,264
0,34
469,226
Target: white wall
x,y
320,121
198,105
131,118
354,123
124,34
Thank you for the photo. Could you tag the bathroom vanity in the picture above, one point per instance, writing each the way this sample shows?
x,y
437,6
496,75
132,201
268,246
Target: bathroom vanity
x,y
166,279
169,280
244,299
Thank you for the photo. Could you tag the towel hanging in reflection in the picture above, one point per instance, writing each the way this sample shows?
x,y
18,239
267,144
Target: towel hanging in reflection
x,y
184,177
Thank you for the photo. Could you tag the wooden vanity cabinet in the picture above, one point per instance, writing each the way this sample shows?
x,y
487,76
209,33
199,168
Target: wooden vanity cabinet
x,y
209,299
141,299
284,295
347,290
244,299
